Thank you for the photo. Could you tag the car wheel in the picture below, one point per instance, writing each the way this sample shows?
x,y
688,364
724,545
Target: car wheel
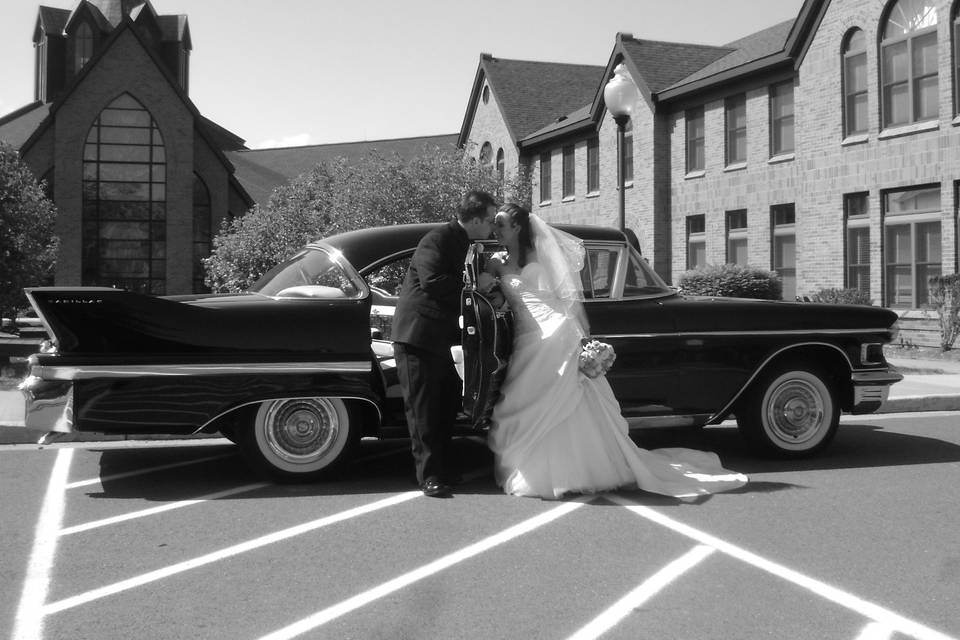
x,y
299,438
791,412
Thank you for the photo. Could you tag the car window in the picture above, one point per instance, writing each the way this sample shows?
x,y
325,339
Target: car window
x,y
385,282
311,273
599,271
388,277
641,279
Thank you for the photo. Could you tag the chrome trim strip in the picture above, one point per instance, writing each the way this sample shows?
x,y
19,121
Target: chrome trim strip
x,y
659,422
869,378
765,332
87,372
253,402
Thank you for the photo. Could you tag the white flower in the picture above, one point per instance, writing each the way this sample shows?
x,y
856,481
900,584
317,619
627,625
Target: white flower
x,y
596,358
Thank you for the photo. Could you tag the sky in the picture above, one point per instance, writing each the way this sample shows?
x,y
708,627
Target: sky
x,y
282,73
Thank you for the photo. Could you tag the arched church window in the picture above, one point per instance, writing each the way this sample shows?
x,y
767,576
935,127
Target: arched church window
x,y
855,83
486,154
124,200
202,232
500,163
908,69
83,46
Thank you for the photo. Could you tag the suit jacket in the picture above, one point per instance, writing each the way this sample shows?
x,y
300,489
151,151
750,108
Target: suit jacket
x,y
428,310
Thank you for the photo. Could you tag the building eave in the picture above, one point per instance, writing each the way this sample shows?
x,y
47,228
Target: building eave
x,y
767,64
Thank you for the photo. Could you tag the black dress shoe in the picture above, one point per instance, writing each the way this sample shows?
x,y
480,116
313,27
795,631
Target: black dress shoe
x,y
433,488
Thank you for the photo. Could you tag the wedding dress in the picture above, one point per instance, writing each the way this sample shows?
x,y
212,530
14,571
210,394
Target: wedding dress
x,y
557,431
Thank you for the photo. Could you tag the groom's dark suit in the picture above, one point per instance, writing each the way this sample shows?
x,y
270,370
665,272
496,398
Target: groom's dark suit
x,y
425,326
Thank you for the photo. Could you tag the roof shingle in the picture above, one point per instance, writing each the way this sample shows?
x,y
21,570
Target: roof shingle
x,y
534,94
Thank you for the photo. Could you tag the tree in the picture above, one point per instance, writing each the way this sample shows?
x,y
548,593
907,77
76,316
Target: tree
x,y
336,197
28,246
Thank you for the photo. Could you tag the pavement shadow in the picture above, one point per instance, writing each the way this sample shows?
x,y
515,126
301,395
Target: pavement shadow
x,y
855,446
385,466
167,474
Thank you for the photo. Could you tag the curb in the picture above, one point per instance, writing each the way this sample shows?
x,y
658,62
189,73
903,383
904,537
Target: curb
x,y
913,404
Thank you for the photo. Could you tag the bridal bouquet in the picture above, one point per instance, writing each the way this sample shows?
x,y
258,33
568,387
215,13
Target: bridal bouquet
x,y
596,358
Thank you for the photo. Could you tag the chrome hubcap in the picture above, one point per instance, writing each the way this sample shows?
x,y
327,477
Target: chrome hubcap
x,y
796,411
301,430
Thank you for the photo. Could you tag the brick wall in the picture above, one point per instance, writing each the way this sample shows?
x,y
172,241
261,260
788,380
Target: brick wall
x,y
824,166
488,126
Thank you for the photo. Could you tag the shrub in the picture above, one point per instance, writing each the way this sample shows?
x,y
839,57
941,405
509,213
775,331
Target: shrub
x,y
731,281
28,246
832,295
945,298
336,196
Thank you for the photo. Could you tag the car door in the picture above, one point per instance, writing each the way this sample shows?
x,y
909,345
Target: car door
x,y
626,309
486,341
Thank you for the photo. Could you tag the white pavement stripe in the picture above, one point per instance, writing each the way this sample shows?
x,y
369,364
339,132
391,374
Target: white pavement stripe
x,y
162,508
889,619
29,621
140,472
650,587
228,552
346,606
875,631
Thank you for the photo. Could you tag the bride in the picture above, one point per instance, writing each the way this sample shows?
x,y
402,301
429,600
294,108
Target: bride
x,y
556,430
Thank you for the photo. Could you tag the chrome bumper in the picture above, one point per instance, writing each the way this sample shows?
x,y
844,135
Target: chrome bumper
x,y
49,404
871,388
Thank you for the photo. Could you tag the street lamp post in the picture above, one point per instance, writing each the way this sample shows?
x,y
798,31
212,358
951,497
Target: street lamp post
x,y
619,96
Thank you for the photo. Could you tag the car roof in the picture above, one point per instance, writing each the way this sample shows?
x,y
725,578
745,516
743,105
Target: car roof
x,y
366,246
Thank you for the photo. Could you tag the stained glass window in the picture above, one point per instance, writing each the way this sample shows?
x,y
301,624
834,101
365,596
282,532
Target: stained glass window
x,y
124,200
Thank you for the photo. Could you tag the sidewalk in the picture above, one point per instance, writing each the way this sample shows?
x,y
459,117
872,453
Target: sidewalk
x,y
928,385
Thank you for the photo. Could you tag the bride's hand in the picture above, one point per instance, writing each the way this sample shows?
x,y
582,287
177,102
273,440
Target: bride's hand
x,y
486,282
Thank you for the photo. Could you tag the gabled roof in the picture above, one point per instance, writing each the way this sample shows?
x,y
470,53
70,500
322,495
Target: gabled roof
x,y
261,171
661,64
175,28
51,21
84,7
759,45
17,127
664,71
116,10
212,134
531,95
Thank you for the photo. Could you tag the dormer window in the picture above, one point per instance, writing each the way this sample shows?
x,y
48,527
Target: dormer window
x,y
83,46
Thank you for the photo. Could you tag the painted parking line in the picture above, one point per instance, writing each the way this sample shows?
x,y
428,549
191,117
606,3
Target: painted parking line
x,y
649,588
883,617
233,550
875,631
29,622
170,506
346,606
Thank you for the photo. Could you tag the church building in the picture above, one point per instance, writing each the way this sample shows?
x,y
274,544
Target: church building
x,y
142,180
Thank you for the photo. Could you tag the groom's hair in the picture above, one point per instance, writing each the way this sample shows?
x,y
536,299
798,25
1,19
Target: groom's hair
x,y
474,205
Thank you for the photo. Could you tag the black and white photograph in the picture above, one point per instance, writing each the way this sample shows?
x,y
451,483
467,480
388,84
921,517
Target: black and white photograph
x,y
430,320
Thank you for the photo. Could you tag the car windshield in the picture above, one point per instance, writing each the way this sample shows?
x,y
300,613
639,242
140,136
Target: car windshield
x,y
311,273
641,279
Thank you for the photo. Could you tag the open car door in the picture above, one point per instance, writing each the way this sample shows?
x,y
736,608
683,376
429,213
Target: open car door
x,y
487,338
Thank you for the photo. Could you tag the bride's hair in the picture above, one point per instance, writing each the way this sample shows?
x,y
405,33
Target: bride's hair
x,y
520,217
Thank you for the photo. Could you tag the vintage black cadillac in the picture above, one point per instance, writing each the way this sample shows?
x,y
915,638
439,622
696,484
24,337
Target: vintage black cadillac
x,y
300,367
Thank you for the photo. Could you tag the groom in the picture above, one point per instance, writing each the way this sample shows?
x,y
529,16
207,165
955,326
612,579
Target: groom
x,y
425,326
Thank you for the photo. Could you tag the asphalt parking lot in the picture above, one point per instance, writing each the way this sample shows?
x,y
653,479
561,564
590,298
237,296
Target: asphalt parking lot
x,y
174,540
